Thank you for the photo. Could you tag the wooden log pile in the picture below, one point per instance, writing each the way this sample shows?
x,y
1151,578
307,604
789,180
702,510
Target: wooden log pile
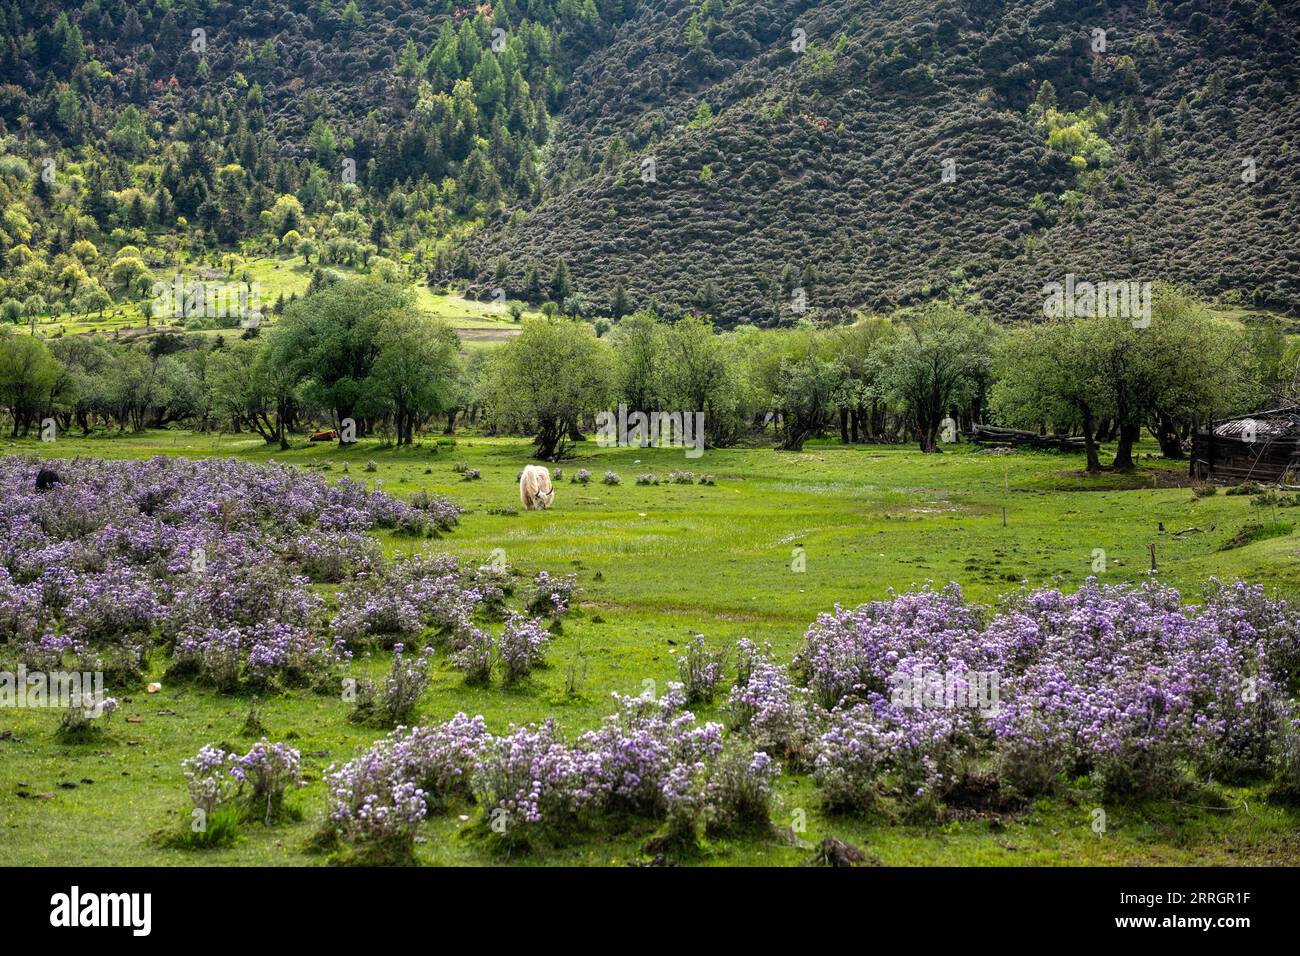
x,y
992,435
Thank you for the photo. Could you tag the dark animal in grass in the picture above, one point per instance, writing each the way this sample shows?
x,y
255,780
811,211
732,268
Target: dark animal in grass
x,y
47,479
833,852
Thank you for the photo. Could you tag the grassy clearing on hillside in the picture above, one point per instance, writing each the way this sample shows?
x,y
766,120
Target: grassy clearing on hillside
x,y
656,564
284,275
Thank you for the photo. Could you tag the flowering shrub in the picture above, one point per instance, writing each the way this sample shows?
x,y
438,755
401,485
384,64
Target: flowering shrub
x,y
76,723
739,790
440,757
520,647
701,670
375,805
647,759
398,604
849,654
647,479
260,655
408,679
681,477
650,758
471,474
493,584
611,478
1129,684
582,477
707,480
334,556
268,770
208,778
215,558
257,781
776,714
475,654
877,748
1119,682
529,780
551,595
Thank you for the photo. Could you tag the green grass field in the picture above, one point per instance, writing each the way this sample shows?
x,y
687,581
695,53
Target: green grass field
x,y
655,565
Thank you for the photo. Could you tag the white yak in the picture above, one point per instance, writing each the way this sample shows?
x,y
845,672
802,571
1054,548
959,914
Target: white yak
x,y
535,489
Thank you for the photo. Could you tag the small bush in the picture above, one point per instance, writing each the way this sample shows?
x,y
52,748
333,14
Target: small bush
x,y
406,683
268,771
77,724
551,595
1245,488
475,655
520,647
1286,761
701,670
740,790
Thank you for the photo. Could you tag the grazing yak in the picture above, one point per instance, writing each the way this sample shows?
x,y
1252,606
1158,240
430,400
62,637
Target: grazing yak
x,y
535,489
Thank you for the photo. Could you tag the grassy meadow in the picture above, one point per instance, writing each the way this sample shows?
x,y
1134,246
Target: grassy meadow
x,y
285,275
655,565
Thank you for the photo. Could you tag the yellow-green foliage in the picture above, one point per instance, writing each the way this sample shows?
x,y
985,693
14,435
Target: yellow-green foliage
x,y
1076,135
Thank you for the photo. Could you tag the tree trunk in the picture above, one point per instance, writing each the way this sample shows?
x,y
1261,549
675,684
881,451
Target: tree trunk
x,y
1128,435
927,430
844,426
1171,445
1090,445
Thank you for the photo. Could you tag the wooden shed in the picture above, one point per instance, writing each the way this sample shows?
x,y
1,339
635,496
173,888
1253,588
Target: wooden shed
x,y
1262,446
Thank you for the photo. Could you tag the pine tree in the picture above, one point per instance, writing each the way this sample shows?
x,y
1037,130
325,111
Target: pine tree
x,y
1046,99
1155,141
619,305
561,284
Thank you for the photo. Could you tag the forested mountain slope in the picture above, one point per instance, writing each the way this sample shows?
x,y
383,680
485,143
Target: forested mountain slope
x,y
742,158
824,169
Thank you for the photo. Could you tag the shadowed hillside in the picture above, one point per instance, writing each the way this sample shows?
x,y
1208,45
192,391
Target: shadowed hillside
x,y
824,169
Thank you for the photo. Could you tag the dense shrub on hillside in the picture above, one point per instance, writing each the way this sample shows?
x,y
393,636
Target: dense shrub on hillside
x,y
898,157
